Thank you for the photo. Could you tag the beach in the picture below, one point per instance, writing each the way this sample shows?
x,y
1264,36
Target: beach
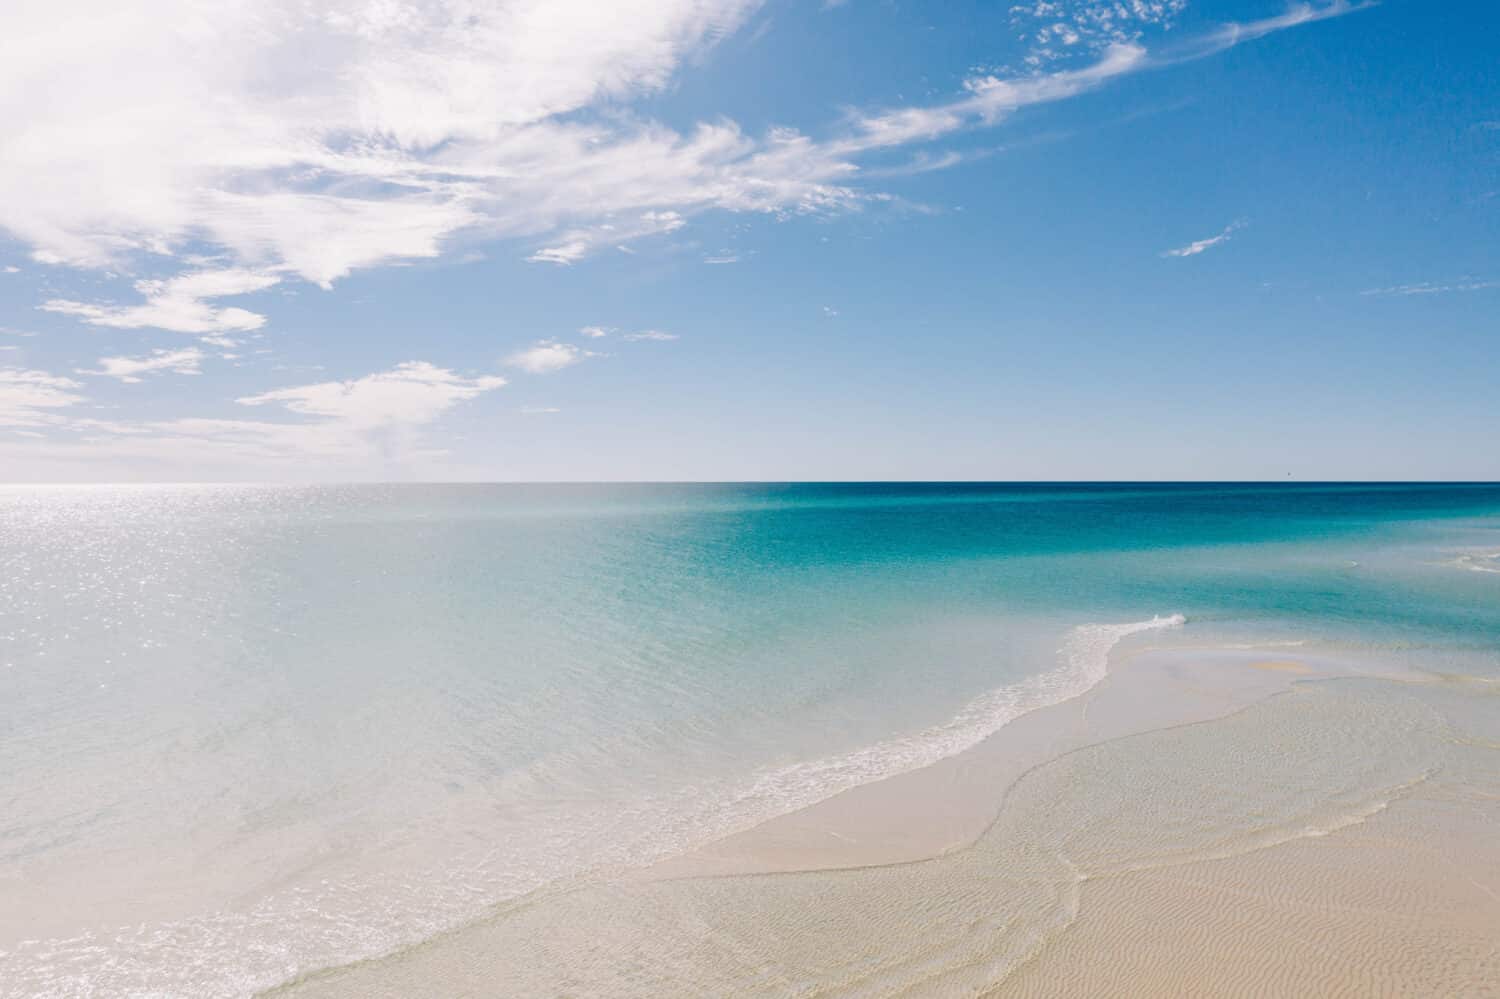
x,y
749,499
1153,836
751,741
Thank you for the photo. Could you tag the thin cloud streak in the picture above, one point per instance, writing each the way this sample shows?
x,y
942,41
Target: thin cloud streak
x,y
130,369
1428,288
1202,245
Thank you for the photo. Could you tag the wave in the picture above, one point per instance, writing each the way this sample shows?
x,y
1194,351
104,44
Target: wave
x,y
1085,662
348,924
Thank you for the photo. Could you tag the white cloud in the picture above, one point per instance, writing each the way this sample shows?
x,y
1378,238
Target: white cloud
x,y
594,332
579,243
898,127
722,258
1195,248
1055,26
179,304
991,98
1431,288
1296,15
650,335
354,428
30,398
547,356
539,410
130,369
411,394
312,140
925,162
994,97
11,269
570,252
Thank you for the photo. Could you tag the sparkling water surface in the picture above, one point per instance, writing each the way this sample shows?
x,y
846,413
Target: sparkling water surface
x,y
250,731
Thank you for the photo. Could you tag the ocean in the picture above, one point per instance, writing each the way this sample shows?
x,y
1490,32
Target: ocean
x,y
249,732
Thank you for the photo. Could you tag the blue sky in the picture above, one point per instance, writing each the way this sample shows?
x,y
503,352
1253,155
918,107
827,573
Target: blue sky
x,y
726,239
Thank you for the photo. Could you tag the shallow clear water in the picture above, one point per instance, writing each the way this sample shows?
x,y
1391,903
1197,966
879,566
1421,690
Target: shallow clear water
x,y
251,731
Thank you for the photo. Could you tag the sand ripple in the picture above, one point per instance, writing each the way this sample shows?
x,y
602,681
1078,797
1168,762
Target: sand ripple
x,y
1194,860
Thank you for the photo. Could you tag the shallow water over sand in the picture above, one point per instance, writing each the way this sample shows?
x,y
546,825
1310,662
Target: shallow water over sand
x,y
255,732
1315,760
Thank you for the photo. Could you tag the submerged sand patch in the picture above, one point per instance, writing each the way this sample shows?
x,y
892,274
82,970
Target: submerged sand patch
x,y
1191,826
1404,904
947,806
1281,666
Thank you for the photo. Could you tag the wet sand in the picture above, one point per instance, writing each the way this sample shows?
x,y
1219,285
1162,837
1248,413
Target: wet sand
x,y
1406,903
1205,821
944,807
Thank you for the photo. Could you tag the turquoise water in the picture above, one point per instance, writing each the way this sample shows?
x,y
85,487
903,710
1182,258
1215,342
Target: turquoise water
x,y
248,731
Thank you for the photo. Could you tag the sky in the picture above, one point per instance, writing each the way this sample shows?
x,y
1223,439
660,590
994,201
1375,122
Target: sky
x,y
443,240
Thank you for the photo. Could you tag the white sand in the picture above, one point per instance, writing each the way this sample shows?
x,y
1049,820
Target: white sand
x,y
1203,822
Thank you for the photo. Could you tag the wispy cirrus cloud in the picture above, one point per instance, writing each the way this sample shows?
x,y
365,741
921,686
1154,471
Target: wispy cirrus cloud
x,y
579,243
1297,15
1203,245
302,142
658,335
33,398
411,394
180,304
346,425
130,369
1054,27
1436,288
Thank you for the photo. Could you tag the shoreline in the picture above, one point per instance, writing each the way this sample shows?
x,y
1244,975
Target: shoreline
x,y
911,822
943,807
595,756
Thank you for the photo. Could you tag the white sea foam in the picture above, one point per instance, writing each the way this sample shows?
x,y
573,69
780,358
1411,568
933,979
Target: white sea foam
x,y
1084,663
339,921
1478,561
